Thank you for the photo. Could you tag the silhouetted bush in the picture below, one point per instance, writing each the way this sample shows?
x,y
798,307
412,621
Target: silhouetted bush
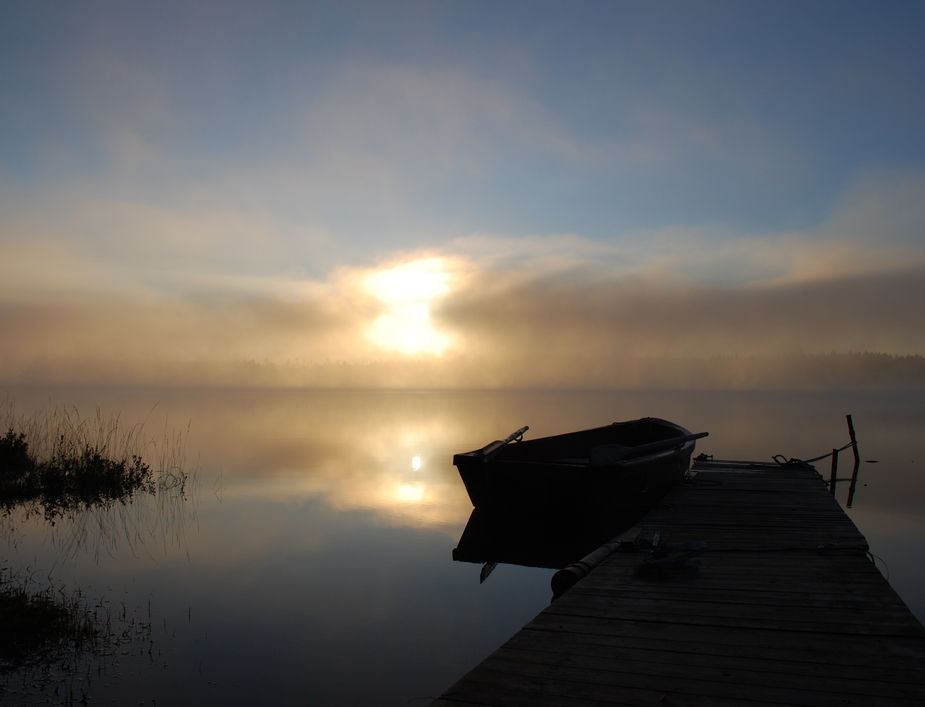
x,y
73,478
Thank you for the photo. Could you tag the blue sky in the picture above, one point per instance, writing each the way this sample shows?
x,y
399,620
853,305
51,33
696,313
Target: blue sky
x,y
231,152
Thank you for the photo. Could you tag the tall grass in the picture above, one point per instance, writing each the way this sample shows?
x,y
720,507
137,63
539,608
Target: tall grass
x,y
100,479
73,478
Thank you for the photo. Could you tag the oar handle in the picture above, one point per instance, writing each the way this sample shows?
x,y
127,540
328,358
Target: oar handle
x,y
665,443
608,454
496,445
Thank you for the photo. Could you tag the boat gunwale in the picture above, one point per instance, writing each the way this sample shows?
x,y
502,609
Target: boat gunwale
x,y
474,455
478,454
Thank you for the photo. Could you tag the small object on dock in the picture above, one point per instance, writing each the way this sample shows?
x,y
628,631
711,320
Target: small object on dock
x,y
673,561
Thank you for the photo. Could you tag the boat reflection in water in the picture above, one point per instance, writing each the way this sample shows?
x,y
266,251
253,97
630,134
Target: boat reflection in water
x,y
532,540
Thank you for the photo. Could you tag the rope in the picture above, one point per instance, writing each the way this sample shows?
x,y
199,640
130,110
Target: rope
x,y
842,449
874,558
784,461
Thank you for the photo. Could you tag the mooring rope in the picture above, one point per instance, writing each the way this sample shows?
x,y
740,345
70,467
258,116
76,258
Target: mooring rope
x,y
834,451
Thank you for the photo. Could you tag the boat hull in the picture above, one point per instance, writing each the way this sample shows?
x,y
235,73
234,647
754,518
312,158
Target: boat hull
x,y
556,474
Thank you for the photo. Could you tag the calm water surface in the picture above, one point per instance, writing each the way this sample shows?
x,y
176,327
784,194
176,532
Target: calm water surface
x,y
312,561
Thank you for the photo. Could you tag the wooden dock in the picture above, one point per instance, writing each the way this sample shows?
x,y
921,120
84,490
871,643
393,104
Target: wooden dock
x,y
786,608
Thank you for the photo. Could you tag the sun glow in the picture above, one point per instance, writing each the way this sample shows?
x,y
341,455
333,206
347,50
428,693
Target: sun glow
x,y
409,289
410,494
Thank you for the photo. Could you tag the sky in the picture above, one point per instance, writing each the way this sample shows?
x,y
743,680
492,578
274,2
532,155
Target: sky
x,y
199,184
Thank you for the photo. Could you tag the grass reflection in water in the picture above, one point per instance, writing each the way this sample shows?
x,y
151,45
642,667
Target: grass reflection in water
x,y
57,642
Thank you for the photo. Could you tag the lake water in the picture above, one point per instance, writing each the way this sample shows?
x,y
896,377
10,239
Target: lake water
x,y
312,560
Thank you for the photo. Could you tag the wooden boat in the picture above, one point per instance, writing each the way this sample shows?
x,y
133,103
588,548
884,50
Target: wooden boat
x,y
619,468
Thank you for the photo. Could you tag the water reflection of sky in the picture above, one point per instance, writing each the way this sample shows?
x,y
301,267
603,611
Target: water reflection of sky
x,y
314,562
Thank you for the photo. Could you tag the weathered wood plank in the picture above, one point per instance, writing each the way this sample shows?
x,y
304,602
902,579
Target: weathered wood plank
x,y
514,691
862,612
841,663
619,591
729,672
911,646
878,626
623,688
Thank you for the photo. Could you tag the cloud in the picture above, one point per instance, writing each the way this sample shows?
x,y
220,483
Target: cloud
x,y
91,245
136,292
573,324
576,314
885,207
387,139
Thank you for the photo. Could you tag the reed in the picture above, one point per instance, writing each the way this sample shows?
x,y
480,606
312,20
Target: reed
x,y
54,642
59,463
95,483
42,622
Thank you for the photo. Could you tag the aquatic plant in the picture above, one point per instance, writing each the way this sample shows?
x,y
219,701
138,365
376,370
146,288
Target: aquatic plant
x,y
59,463
94,482
40,623
51,639
70,480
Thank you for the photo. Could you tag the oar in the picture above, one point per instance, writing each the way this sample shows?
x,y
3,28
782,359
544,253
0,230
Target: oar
x,y
612,453
487,569
490,449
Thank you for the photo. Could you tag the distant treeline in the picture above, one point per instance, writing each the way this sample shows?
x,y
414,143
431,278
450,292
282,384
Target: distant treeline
x,y
812,371
833,371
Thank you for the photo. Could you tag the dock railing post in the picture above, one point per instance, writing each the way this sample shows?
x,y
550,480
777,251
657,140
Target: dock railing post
x,y
832,478
857,461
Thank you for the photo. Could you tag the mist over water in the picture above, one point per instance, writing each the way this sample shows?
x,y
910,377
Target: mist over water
x,y
316,548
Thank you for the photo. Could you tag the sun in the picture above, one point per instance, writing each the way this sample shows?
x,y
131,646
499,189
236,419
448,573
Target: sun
x,y
409,289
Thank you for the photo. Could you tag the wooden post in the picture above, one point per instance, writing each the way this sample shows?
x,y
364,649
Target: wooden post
x,y
833,478
857,461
